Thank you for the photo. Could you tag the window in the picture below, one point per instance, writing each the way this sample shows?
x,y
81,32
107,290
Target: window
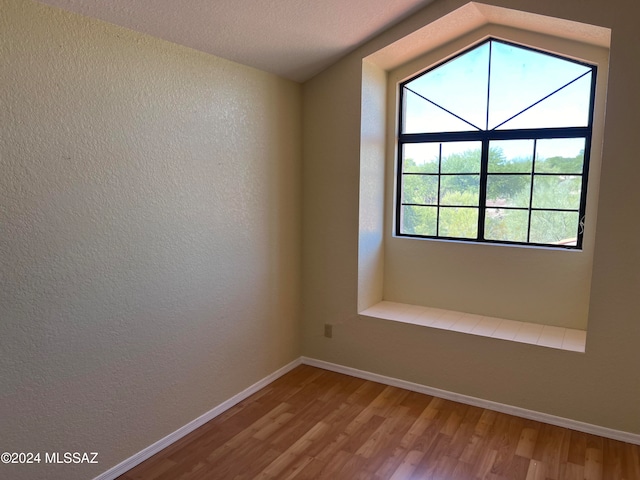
x,y
494,147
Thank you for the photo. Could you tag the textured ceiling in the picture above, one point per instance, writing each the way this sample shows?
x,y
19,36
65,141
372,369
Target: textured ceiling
x,y
292,38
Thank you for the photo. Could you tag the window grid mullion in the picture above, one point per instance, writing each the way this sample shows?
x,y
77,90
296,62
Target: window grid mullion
x,y
488,85
482,201
469,174
518,134
533,169
439,179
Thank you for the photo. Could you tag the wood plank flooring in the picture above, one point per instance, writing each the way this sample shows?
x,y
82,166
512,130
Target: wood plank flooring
x,y
316,424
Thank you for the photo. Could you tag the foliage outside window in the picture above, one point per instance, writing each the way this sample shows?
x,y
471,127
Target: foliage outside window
x,y
494,147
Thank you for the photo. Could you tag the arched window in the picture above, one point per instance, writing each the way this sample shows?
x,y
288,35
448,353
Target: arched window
x,y
494,147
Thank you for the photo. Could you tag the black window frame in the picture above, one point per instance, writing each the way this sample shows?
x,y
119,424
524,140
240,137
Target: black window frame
x,y
486,136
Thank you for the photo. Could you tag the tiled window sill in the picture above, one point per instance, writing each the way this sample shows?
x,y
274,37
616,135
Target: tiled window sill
x,y
523,332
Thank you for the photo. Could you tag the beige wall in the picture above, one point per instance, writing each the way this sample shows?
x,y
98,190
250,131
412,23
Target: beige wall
x,y
599,386
149,235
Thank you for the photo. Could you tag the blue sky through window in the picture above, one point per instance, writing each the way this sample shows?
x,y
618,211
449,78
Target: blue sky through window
x,y
498,86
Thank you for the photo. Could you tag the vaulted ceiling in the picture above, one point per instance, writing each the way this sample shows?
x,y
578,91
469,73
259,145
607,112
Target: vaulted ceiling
x,y
292,38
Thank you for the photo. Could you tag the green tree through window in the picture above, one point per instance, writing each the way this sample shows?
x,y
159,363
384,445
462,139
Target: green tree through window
x,y
493,147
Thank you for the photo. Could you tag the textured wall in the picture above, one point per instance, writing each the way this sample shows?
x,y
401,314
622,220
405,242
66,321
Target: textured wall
x,y
599,386
149,235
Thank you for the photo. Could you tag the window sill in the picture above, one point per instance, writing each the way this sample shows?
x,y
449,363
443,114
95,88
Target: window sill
x,y
522,332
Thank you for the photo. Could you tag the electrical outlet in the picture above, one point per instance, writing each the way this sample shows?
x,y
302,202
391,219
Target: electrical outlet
x,y
328,330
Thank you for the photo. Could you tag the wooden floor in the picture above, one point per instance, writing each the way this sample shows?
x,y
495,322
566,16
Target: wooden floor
x,y
316,424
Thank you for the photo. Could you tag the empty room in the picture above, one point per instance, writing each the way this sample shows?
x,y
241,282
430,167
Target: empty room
x,y
364,239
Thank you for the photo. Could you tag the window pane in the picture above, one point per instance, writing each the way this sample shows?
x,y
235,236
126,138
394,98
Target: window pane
x,y
556,191
421,157
461,157
460,190
560,228
458,222
419,221
508,190
459,85
520,77
512,156
567,108
506,225
420,116
560,155
495,85
420,189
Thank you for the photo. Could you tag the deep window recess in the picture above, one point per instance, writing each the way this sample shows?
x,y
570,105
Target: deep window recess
x,y
494,147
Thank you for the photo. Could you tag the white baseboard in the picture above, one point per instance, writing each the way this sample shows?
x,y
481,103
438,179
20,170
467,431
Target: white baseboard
x,y
478,402
163,443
